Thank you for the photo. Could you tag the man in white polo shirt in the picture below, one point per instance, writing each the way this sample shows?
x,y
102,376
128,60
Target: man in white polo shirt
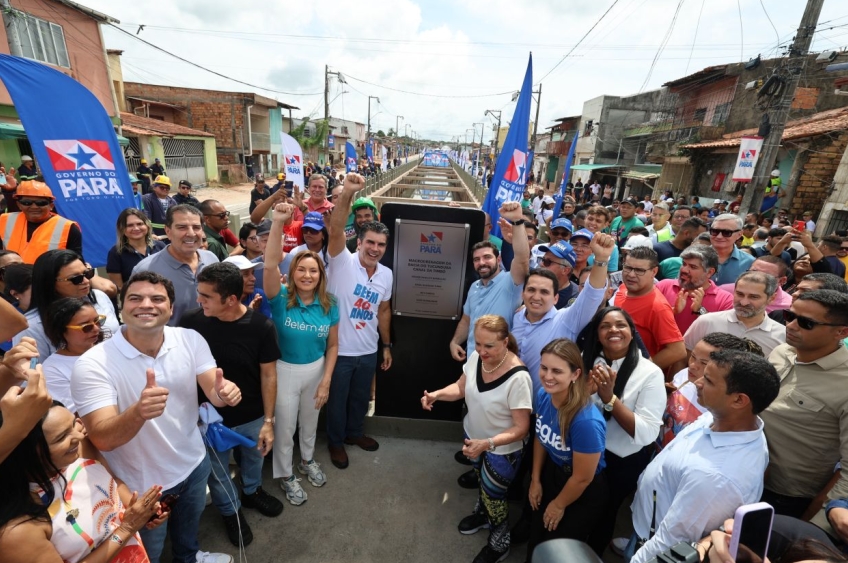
x,y
363,288
137,395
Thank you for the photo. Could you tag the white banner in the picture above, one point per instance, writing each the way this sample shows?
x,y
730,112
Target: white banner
x,y
293,160
385,155
749,152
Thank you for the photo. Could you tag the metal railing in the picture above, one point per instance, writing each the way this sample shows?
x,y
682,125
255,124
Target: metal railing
x,y
471,183
382,179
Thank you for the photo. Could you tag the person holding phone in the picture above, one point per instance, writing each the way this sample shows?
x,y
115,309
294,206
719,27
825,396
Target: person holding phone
x,y
59,499
715,464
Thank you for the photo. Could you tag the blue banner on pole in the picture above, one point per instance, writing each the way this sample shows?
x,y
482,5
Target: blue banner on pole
x,y
565,173
511,169
350,157
369,152
331,141
76,147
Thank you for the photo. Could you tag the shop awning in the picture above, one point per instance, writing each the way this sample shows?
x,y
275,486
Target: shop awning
x,y
15,131
643,172
594,166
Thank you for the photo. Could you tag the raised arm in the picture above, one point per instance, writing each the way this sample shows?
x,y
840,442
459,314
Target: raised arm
x,y
274,250
338,218
511,211
262,207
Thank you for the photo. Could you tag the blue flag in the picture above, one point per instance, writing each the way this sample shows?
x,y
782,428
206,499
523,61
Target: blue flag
x,y
350,157
369,152
565,174
511,169
76,147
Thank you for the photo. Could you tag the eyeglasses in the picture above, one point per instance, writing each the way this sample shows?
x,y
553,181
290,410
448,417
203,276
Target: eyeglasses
x,y
222,215
79,278
37,203
546,262
805,322
843,249
726,233
88,327
631,270
163,187
254,238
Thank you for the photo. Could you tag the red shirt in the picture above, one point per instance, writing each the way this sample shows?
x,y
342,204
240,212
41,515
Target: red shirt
x,y
323,208
292,235
229,237
715,299
653,317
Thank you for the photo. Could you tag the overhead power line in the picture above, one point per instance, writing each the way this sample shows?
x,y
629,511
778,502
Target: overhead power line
x,y
201,67
346,75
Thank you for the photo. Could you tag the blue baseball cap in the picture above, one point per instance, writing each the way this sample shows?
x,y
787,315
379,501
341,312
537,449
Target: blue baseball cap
x,y
313,220
561,250
563,223
583,233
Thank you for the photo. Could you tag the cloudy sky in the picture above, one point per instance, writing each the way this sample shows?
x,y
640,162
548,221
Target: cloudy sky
x,y
442,63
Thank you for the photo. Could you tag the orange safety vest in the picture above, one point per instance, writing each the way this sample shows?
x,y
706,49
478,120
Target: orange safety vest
x,y
50,235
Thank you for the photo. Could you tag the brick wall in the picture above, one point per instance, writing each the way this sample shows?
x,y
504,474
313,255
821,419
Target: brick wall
x,y
814,185
805,98
220,113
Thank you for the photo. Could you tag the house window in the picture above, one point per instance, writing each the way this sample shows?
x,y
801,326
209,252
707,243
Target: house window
x,y
344,130
42,40
721,113
589,124
699,115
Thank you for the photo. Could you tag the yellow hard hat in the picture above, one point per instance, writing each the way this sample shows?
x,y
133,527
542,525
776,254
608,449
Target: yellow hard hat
x,y
164,180
31,188
281,176
144,161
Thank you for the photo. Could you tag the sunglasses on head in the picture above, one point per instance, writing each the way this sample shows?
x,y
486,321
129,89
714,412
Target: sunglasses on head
x,y
804,322
37,203
726,233
88,327
79,278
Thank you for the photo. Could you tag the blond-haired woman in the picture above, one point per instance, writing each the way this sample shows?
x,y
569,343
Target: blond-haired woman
x,y
135,242
498,392
568,490
307,320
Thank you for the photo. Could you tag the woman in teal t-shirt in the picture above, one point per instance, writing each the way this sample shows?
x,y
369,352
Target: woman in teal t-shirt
x,y
307,320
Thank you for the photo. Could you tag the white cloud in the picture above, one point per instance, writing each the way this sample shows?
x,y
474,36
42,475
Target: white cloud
x,y
455,47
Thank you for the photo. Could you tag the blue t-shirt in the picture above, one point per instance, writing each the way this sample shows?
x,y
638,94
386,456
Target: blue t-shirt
x,y
264,306
303,330
587,433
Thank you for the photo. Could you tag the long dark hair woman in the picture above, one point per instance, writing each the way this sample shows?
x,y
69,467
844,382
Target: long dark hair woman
x,y
629,390
568,489
60,504
56,274
498,391
73,327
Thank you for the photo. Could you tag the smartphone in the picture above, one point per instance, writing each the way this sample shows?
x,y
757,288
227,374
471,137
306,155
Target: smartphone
x,y
165,504
751,532
799,225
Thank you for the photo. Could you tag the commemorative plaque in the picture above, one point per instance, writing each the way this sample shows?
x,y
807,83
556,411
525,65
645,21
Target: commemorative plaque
x,y
430,259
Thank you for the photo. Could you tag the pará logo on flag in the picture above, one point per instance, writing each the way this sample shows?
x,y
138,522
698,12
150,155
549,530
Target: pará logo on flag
x,y
517,167
749,154
79,154
292,160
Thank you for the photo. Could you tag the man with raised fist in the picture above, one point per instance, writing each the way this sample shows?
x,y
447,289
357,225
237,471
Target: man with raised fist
x,y
137,395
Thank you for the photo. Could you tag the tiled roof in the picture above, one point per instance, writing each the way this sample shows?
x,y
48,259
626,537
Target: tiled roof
x,y
816,124
139,125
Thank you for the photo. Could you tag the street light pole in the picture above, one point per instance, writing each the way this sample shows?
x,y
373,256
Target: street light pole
x,y
397,126
368,136
498,130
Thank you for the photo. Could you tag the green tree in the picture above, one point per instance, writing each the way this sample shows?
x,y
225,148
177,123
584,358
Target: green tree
x,y
322,129
380,133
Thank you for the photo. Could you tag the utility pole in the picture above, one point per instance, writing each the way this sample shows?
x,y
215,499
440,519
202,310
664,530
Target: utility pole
x,y
397,125
477,160
368,136
327,75
778,113
498,130
536,122
9,15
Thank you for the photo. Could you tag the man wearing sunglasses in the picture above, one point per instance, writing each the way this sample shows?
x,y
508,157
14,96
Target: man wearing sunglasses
x,y
216,218
35,229
805,425
724,231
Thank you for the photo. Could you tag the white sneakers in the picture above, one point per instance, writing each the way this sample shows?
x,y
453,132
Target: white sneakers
x,y
294,492
312,470
207,557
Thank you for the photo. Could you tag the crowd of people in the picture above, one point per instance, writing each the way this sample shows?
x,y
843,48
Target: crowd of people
x,y
687,358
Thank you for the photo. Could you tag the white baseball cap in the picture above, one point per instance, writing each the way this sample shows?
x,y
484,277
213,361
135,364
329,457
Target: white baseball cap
x,y
241,262
636,241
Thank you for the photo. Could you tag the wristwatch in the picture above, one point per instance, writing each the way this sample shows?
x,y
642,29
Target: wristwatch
x,y
608,406
519,222
600,263
701,311
385,345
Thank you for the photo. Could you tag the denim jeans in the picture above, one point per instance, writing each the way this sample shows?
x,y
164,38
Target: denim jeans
x,y
184,521
225,494
630,550
350,391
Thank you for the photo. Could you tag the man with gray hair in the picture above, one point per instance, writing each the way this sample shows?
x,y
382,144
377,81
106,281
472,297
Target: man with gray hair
x,y
724,232
693,293
751,295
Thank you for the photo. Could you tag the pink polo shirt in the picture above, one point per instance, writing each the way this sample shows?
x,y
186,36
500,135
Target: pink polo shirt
x,y
323,208
782,300
715,299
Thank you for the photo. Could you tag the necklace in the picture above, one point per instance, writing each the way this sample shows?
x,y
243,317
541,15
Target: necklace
x,y
497,366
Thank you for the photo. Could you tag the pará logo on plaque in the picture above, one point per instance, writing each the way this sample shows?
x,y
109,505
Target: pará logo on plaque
x,y
432,243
